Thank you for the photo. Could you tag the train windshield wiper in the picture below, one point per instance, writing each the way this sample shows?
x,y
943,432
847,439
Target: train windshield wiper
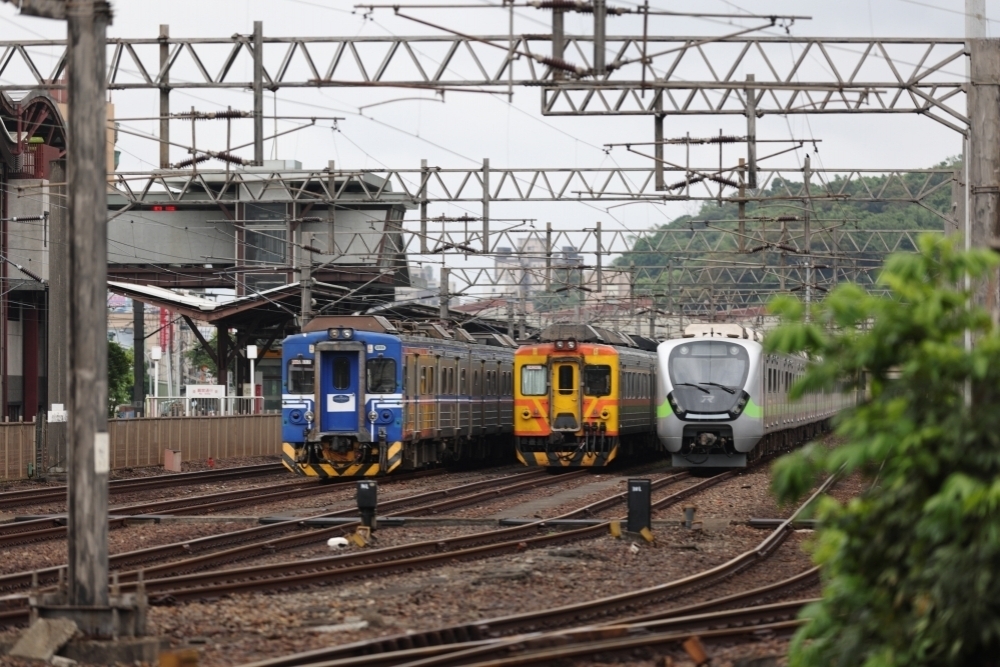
x,y
688,384
721,386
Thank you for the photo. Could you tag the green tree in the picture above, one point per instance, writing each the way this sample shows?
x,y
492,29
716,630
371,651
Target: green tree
x,y
120,379
910,568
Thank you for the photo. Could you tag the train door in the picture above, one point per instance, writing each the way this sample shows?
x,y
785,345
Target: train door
x,y
339,391
465,407
477,397
565,395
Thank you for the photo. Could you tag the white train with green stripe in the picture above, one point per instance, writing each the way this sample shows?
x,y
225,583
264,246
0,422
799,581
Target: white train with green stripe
x,y
722,402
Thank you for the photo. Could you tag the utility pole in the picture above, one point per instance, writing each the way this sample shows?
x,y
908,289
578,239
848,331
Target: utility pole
x,y
486,205
165,99
807,228
983,160
741,232
305,281
87,24
600,23
58,345
87,600
443,294
423,206
258,93
751,105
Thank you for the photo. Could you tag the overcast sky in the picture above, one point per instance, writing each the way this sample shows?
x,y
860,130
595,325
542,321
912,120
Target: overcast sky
x,y
468,127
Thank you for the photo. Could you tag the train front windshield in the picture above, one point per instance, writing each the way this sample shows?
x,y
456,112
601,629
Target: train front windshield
x,y
708,375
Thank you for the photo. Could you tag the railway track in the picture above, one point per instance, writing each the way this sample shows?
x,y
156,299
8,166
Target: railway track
x,y
460,637
54,526
199,585
266,539
49,494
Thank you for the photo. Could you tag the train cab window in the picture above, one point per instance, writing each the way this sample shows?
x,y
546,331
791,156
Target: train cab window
x,y
597,380
381,375
533,380
341,373
566,379
300,376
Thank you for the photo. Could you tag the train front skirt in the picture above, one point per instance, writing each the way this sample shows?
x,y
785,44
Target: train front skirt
x,y
393,460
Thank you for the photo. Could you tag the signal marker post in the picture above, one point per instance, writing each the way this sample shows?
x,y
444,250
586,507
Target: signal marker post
x,y
640,506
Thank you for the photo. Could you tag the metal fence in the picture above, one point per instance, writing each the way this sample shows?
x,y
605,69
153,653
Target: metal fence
x,y
137,443
182,406
17,449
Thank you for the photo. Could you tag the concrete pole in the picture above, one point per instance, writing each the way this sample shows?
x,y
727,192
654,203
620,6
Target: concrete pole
x,y
807,228
306,280
600,23
486,205
258,93
958,197
658,141
751,102
984,159
423,206
164,99
558,41
58,319
741,238
600,251
443,294
87,24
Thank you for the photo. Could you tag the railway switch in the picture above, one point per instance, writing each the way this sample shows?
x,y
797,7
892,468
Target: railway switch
x,y
367,502
640,508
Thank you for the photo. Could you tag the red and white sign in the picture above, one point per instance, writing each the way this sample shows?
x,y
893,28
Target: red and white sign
x,y
165,329
206,391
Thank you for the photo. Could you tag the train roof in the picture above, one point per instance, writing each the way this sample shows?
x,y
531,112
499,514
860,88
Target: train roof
x,y
586,333
721,330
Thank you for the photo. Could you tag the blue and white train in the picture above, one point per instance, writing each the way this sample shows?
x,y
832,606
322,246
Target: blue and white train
x,y
723,402
361,398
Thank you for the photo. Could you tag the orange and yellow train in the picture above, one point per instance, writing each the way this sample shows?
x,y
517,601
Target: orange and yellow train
x,y
584,396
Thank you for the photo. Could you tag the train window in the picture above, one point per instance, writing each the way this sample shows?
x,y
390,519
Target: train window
x,y
381,375
451,380
341,373
464,380
475,383
566,379
533,380
300,376
597,380
430,381
423,380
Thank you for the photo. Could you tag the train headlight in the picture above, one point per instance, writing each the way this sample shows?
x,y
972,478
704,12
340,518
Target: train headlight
x,y
571,345
559,345
309,416
678,410
372,416
347,334
737,409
